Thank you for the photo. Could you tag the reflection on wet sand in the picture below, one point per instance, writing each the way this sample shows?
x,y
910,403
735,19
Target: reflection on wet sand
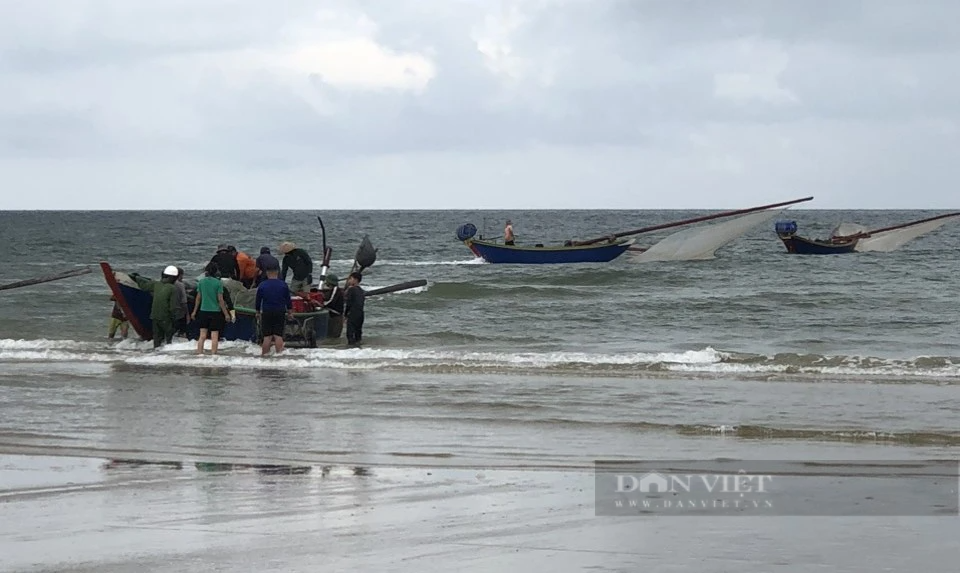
x,y
138,515
266,469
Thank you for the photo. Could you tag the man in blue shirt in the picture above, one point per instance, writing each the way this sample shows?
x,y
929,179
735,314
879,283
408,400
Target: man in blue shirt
x,y
273,306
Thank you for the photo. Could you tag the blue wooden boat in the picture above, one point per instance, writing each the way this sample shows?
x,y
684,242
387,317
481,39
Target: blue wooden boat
x,y
136,304
540,255
857,238
787,232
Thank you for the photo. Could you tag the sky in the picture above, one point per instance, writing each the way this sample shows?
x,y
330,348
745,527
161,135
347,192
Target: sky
x,y
472,104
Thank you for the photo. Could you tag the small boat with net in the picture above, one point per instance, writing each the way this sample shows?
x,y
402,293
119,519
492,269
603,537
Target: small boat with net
x,y
690,244
850,238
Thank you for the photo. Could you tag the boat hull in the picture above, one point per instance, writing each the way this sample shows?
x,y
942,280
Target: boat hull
x,y
136,305
517,255
803,246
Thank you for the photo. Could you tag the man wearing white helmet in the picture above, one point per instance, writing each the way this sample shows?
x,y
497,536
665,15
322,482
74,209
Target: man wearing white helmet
x,y
164,309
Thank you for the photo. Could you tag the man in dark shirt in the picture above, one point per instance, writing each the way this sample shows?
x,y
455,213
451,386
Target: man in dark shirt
x,y
298,261
273,306
266,262
333,302
226,262
353,308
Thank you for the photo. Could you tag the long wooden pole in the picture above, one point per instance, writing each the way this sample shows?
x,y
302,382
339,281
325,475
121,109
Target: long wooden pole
x,y
46,279
691,221
397,287
900,226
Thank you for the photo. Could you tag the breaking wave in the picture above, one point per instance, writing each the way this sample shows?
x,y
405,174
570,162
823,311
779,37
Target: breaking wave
x,y
704,363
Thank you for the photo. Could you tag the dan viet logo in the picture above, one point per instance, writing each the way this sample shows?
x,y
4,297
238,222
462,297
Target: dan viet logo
x,y
694,491
653,482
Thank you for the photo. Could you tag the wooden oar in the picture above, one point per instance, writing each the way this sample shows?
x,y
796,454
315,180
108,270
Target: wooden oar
x,y
689,221
46,279
397,287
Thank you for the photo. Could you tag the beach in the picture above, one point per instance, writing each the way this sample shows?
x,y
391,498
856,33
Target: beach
x,y
465,434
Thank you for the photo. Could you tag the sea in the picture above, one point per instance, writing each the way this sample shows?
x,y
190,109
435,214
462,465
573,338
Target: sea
x,y
508,370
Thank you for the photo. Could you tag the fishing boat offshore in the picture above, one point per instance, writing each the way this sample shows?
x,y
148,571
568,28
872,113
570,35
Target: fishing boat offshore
x,y
850,238
690,244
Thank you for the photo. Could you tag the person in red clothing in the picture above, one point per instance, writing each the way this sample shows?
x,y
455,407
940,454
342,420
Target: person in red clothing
x,y
246,267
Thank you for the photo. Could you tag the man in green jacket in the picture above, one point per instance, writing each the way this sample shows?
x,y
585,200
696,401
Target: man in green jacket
x,y
164,309
298,261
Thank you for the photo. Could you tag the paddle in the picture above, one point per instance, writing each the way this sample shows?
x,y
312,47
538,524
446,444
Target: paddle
x,y
46,279
365,257
397,287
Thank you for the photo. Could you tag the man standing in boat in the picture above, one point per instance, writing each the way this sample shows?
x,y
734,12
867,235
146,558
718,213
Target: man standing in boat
x,y
508,233
265,262
298,261
246,266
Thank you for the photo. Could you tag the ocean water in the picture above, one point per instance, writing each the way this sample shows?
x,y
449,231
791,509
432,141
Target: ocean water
x,y
756,354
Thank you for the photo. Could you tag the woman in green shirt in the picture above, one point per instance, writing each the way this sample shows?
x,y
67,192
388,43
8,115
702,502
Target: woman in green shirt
x,y
212,310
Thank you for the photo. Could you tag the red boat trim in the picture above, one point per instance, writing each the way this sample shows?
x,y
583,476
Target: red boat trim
x,y
476,253
122,301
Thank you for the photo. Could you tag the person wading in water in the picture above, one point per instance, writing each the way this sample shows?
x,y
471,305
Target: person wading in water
x,y
212,308
353,308
273,307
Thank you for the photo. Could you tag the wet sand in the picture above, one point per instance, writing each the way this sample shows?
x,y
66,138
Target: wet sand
x,y
85,514
477,473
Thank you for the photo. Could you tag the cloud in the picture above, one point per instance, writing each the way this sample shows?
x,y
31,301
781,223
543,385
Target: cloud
x,y
460,103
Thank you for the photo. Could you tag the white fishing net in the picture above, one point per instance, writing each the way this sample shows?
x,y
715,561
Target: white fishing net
x,y
699,243
892,240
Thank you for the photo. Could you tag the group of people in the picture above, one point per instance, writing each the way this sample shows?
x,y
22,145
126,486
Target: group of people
x,y
239,266
213,307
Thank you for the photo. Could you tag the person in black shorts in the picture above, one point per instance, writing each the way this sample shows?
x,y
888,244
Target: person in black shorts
x,y
273,306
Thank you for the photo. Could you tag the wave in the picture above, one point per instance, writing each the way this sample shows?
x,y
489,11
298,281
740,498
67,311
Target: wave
x,y
704,363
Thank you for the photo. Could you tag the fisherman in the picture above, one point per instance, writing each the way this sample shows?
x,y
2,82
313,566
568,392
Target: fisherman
x,y
264,263
273,306
209,303
298,261
246,266
508,233
183,306
118,320
353,308
333,302
164,307
226,263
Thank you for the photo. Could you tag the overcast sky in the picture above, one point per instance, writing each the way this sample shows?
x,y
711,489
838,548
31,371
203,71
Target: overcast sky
x,y
633,104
